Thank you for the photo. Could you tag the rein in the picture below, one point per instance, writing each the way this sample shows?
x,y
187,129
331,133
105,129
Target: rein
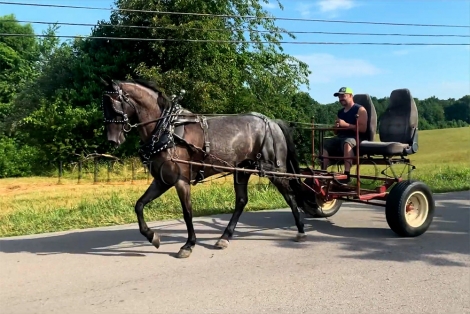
x,y
136,125
165,134
127,127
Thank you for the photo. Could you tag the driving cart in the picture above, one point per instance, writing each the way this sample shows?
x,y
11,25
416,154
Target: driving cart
x,y
409,204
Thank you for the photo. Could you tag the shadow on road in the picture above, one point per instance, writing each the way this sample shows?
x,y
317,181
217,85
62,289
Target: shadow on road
x,y
449,234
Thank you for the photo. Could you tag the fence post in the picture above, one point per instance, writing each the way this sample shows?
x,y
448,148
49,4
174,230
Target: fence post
x,y
109,171
60,172
79,171
133,171
95,175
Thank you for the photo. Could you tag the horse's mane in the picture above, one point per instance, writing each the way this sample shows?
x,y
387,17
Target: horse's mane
x,y
162,99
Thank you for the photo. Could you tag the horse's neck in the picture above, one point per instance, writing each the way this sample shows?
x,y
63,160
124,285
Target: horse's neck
x,y
150,113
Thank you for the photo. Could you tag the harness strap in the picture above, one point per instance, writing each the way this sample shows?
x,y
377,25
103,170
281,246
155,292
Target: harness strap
x,y
162,136
259,155
205,128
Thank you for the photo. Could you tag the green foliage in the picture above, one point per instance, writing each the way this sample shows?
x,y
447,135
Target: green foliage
x,y
17,57
435,113
18,160
50,91
59,127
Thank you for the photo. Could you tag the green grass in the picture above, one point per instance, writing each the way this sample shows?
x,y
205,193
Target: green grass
x,y
443,159
36,205
107,206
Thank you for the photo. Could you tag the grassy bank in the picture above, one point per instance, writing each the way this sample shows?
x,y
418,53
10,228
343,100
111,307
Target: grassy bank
x,y
442,161
35,205
30,210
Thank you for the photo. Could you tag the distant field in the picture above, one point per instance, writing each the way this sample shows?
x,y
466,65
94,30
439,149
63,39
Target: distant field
x,y
36,205
443,159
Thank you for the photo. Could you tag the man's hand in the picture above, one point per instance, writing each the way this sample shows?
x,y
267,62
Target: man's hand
x,y
340,123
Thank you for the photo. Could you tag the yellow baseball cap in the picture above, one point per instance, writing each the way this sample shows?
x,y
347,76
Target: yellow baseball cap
x,y
344,90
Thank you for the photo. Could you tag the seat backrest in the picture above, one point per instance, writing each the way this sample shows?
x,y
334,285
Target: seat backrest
x,y
399,122
365,101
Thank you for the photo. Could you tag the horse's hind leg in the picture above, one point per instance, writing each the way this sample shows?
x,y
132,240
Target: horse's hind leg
x,y
184,193
155,190
287,192
241,199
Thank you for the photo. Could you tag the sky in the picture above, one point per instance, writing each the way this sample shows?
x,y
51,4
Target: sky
x,y
440,71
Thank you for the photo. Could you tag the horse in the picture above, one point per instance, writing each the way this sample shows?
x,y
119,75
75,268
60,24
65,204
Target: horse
x,y
166,129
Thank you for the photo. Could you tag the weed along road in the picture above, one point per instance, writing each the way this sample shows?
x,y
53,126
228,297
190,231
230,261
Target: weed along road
x,y
351,263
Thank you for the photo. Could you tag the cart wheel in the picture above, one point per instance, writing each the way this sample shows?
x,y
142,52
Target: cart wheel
x,y
409,209
317,208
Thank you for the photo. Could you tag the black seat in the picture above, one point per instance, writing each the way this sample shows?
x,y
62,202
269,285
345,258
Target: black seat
x,y
398,128
365,101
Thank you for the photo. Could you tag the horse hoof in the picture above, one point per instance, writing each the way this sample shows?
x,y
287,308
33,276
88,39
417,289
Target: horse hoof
x,y
184,253
301,237
156,240
222,244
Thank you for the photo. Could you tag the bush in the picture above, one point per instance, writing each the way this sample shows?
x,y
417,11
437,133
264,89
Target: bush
x,y
18,160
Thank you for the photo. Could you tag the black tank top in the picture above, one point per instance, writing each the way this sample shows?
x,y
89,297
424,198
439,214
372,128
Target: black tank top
x,y
349,117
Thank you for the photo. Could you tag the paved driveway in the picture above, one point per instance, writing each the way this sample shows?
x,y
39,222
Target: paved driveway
x,y
352,263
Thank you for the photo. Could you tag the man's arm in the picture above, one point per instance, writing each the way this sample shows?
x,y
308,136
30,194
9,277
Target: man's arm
x,y
361,121
336,123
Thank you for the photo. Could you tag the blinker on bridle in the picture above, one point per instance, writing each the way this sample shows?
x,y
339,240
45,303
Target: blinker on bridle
x,y
122,98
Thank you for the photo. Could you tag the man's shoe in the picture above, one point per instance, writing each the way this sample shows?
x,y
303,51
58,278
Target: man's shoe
x,y
344,181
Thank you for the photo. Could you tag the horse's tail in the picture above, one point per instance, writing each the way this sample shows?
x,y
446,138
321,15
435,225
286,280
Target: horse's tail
x,y
293,165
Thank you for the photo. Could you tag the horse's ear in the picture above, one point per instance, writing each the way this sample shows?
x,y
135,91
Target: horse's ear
x,y
105,83
108,81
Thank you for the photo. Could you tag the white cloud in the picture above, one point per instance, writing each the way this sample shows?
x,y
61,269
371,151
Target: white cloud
x,y
270,5
335,5
305,9
328,68
400,52
332,7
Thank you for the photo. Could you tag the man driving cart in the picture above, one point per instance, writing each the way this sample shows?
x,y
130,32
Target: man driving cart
x,y
344,141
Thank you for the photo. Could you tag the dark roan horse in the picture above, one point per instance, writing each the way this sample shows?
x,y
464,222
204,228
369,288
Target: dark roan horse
x,y
168,131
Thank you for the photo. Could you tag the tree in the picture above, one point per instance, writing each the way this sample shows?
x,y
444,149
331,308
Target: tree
x,y
213,73
17,59
50,92
459,110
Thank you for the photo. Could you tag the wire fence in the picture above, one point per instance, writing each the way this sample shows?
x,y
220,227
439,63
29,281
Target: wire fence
x,y
109,170
98,170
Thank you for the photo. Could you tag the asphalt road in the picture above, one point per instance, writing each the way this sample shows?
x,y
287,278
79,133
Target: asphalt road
x,y
351,263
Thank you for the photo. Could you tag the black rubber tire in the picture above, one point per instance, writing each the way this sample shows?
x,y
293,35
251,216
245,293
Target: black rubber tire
x,y
395,208
312,209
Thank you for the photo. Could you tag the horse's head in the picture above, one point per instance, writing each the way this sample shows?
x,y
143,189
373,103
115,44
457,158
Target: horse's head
x,y
125,102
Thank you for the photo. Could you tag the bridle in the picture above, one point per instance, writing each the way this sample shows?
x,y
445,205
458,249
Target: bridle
x,y
122,98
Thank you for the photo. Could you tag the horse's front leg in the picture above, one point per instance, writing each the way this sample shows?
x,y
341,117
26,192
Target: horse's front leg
x,y
155,190
184,193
